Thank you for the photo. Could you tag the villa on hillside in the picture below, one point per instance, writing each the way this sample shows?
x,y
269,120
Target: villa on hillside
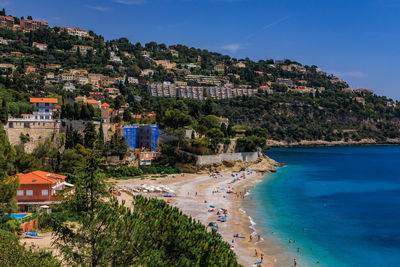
x,y
40,188
42,47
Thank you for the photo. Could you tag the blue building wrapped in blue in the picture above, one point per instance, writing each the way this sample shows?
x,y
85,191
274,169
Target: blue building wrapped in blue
x,y
141,136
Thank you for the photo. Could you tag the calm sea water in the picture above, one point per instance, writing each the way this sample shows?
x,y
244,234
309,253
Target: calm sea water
x,y
343,202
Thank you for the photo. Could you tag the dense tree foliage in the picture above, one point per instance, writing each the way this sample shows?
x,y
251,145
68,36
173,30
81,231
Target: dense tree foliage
x,y
12,253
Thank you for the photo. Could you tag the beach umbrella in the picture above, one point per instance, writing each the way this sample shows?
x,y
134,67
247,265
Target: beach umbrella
x,y
223,218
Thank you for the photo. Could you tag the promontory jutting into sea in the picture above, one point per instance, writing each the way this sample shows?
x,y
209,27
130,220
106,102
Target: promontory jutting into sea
x,y
123,151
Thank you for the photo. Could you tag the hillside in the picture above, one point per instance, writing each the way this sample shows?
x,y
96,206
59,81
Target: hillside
x,y
279,100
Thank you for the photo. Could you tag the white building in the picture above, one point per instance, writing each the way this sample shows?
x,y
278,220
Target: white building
x,y
70,87
76,32
42,47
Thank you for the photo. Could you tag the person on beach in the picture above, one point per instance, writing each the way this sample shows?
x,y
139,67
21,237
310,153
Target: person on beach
x,y
295,262
255,253
258,238
250,238
262,257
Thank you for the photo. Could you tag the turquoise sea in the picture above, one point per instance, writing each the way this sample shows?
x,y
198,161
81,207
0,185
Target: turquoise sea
x,y
343,202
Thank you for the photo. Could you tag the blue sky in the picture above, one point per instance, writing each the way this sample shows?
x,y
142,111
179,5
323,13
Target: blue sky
x,y
358,40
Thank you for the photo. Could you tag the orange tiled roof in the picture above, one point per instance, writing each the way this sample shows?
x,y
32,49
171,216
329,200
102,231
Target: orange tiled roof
x,y
44,100
40,177
34,20
105,105
91,101
35,43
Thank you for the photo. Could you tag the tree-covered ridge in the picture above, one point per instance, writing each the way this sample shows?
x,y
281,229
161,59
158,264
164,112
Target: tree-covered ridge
x,y
328,111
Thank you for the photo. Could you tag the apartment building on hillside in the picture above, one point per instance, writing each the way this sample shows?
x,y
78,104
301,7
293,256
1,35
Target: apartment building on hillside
x,y
76,32
32,25
7,21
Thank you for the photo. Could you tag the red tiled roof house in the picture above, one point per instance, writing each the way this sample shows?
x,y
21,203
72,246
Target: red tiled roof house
x,y
39,188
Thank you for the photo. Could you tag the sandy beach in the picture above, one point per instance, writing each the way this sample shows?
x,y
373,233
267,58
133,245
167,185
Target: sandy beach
x,y
195,193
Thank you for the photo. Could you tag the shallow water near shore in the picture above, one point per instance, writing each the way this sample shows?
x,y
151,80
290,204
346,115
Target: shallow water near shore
x,y
340,204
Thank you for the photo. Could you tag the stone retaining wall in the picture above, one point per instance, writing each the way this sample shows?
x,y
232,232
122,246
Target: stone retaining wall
x,y
219,158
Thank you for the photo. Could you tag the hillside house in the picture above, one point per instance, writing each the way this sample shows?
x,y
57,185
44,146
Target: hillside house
x,y
116,59
44,107
83,49
284,81
126,54
96,95
67,77
94,103
32,25
42,47
219,68
30,70
174,53
76,32
40,188
7,21
360,100
147,72
7,66
68,86
112,92
240,65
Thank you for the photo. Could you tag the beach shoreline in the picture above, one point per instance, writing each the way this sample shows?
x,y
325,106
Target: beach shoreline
x,y
193,194
196,194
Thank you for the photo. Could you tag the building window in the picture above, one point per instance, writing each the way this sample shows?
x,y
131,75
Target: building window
x,y
20,193
45,192
29,192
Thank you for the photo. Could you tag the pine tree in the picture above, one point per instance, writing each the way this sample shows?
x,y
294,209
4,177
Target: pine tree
x,y
90,135
4,112
229,131
85,113
223,129
69,138
8,185
100,139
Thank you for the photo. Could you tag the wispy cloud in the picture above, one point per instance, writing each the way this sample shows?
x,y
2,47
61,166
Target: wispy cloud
x,y
351,74
232,47
130,2
267,26
98,8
